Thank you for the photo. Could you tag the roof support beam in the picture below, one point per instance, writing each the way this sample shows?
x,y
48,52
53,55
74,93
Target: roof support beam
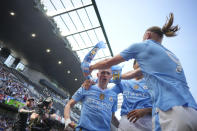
x,y
101,58
83,31
72,10
102,27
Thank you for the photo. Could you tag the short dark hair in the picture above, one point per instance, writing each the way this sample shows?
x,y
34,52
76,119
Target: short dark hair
x,y
30,99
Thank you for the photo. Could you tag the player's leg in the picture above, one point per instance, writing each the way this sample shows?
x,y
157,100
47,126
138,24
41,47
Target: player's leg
x,y
178,118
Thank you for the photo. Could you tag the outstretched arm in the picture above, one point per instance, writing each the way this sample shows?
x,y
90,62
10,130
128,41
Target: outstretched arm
x,y
26,111
131,74
107,63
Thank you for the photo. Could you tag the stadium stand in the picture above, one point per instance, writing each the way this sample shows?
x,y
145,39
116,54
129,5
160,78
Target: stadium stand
x,y
41,76
14,91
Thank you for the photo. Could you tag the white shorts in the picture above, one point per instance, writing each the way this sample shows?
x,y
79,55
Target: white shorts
x,y
142,124
113,128
178,118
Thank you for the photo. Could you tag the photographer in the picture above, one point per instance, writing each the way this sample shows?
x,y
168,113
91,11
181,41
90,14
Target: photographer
x,y
23,116
44,118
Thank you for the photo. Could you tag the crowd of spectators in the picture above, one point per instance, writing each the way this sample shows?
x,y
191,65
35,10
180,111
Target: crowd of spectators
x,y
6,123
12,88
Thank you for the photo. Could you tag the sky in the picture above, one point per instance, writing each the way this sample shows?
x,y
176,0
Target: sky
x,y
125,22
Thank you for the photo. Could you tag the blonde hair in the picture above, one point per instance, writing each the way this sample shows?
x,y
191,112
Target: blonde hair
x,y
167,30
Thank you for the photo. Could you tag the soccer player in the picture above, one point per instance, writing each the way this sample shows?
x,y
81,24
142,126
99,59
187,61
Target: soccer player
x,y
137,105
174,107
99,105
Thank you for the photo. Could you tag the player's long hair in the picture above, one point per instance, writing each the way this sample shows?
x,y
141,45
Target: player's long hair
x,y
167,30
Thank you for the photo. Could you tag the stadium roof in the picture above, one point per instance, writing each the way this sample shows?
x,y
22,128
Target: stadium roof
x,y
33,36
79,21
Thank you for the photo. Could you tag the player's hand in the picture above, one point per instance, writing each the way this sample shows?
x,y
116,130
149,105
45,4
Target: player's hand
x,y
72,124
70,127
134,115
69,123
87,83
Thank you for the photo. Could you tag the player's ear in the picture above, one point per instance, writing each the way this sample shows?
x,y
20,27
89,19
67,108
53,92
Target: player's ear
x,y
149,35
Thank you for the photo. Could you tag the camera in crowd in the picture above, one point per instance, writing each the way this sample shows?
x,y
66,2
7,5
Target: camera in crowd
x,y
43,121
45,106
43,110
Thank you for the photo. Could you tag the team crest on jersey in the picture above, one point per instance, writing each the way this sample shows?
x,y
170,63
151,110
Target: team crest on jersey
x,y
102,96
145,87
111,98
136,87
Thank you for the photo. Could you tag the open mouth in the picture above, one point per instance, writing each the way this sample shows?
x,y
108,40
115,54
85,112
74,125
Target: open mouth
x,y
104,79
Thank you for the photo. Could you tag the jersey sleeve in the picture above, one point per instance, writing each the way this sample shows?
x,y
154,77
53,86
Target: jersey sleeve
x,y
117,88
132,51
79,94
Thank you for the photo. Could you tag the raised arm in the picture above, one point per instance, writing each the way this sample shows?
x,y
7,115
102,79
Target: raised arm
x,y
107,63
131,74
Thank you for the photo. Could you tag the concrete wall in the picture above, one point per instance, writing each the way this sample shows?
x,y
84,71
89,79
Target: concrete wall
x,y
34,75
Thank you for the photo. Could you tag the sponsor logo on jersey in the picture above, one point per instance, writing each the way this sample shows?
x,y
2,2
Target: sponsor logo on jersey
x,y
145,87
136,87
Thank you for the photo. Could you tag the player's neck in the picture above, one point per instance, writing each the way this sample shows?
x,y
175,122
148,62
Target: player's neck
x,y
102,86
157,39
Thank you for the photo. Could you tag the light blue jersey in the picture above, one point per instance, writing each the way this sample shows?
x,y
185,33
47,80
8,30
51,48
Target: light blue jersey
x,y
98,106
163,74
135,95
